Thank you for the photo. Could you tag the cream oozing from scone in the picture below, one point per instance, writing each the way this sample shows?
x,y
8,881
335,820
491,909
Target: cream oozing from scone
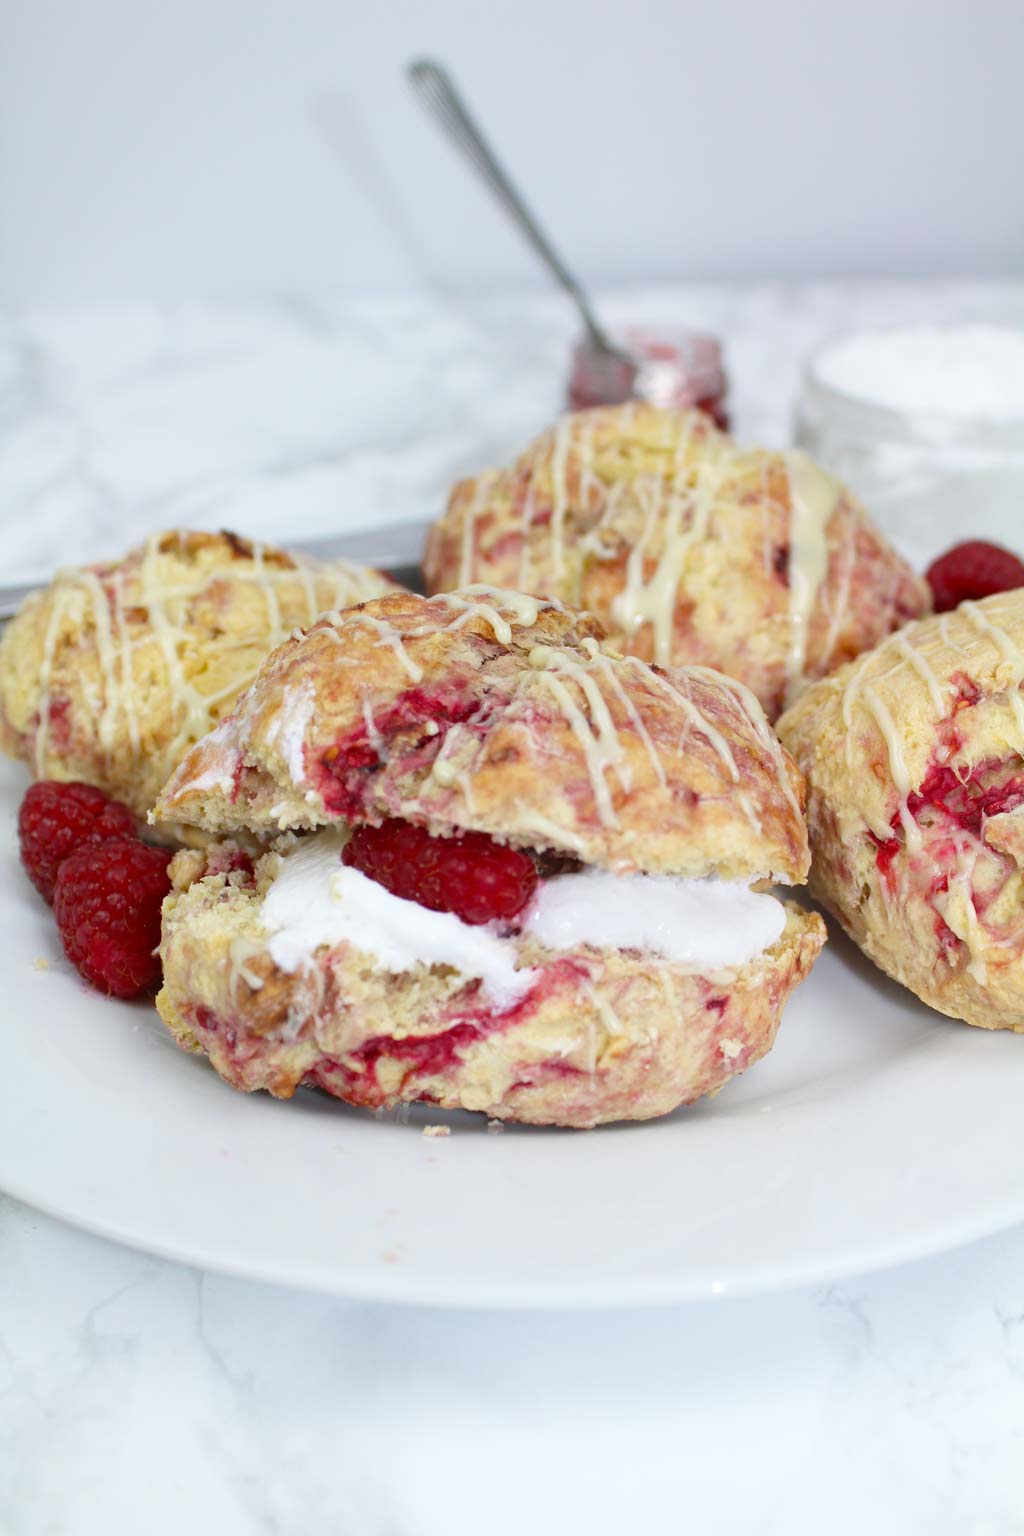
x,y
315,901
703,923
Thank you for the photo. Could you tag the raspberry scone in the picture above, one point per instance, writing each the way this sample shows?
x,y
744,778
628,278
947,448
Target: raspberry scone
x,y
512,870
914,756
686,546
111,672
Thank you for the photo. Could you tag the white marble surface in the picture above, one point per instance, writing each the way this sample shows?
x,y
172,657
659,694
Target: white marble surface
x,y
138,1396
305,416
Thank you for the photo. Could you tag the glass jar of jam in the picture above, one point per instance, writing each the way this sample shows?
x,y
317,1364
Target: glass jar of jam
x,y
673,369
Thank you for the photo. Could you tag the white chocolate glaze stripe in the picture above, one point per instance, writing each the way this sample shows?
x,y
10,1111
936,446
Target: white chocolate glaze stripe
x,y
813,496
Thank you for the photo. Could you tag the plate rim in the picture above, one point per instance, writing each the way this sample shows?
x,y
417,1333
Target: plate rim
x,y
386,1285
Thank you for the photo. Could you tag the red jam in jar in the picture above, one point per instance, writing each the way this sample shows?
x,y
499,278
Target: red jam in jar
x,y
673,369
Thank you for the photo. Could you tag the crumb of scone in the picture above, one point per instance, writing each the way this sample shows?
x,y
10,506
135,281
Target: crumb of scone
x,y
437,1130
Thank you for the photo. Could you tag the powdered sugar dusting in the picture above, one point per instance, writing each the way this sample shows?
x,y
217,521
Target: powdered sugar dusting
x,y
956,370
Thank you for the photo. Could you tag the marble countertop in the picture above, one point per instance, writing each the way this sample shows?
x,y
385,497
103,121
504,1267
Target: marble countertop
x,y
140,1396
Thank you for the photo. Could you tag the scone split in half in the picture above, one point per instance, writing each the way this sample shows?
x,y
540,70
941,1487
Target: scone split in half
x,y
486,747
914,757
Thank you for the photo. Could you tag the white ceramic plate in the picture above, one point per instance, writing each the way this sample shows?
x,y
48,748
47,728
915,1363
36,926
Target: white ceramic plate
x,y
875,1132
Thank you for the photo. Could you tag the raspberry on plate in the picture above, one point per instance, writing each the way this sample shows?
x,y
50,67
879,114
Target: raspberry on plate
x,y
471,875
107,903
974,570
55,819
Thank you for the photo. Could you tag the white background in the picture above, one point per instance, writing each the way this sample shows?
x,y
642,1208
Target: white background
x,y
215,147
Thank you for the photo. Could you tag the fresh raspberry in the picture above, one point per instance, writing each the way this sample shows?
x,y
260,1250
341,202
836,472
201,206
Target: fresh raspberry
x,y
471,875
55,819
972,570
107,905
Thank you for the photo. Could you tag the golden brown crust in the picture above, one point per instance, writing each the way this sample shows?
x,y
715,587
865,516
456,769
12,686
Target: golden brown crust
x,y
601,1035
687,548
914,756
111,672
491,712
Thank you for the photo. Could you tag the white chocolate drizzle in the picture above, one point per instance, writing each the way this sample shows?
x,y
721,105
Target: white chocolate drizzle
x,y
695,717
869,688
387,635
165,601
690,492
675,506
524,609
813,498
835,600
559,493
478,501
914,659
880,713
748,702
605,667
1010,652
595,729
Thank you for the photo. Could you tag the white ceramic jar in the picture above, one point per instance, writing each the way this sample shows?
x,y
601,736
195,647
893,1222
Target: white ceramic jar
x,y
926,425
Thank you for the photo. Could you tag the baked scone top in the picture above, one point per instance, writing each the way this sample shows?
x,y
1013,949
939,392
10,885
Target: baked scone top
x,y
940,696
687,547
493,711
112,671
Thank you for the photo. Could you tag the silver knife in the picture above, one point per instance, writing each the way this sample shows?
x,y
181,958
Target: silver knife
x,y
396,548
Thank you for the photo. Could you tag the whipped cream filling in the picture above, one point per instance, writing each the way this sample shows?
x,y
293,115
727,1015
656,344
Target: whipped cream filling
x,y
701,923
315,900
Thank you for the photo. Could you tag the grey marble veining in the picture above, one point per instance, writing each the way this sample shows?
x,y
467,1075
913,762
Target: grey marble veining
x,y
137,1395
140,1396
304,417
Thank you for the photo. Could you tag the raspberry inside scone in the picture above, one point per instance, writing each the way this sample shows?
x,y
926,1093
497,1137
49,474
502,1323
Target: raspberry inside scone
x,y
915,763
511,873
687,547
113,671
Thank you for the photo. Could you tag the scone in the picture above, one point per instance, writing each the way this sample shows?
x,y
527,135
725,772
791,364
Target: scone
x,y
513,870
110,673
687,547
914,756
